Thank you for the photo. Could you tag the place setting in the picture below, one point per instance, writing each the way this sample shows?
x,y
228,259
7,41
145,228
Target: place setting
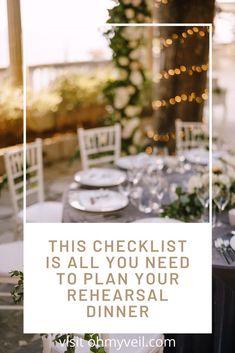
x,y
139,194
141,160
90,190
101,200
223,211
225,246
100,177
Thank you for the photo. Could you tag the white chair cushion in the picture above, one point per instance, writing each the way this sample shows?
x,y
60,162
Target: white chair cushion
x,y
11,257
43,212
127,349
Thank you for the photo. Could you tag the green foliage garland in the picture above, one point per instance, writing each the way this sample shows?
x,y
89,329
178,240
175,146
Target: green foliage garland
x,y
124,95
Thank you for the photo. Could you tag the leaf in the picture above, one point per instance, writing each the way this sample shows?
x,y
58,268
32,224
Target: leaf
x,y
186,208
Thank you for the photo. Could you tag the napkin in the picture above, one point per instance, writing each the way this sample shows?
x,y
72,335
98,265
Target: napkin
x,y
101,200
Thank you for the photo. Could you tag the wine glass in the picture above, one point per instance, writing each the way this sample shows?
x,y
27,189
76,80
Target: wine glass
x,y
171,163
221,197
203,197
151,175
181,163
161,188
134,175
172,191
140,197
160,154
158,191
125,187
159,163
151,179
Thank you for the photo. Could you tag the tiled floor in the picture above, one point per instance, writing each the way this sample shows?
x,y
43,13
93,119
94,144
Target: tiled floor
x,y
11,339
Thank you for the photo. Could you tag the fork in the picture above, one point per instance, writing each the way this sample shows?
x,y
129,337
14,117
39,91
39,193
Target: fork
x,y
225,249
221,251
229,249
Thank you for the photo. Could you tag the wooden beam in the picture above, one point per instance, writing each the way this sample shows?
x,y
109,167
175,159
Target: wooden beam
x,y
15,42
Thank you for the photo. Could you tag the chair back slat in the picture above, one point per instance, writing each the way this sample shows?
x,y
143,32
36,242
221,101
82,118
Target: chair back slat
x,y
190,135
101,160
99,145
14,161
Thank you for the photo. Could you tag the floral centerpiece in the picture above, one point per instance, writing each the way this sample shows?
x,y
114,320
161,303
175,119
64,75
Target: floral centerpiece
x,y
223,176
188,204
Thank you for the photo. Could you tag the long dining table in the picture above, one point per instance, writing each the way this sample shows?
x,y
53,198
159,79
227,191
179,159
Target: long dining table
x,y
222,339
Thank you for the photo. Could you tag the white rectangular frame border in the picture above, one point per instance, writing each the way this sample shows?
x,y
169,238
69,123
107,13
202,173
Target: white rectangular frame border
x,y
128,25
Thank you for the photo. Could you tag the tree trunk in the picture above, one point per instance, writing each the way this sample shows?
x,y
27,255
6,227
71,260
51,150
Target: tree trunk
x,y
15,42
185,11
182,87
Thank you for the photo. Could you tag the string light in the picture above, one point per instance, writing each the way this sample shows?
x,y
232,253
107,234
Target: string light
x,y
156,137
191,97
160,2
165,43
149,150
182,69
190,31
171,72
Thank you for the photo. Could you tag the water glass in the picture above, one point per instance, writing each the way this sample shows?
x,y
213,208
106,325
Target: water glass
x,y
140,198
221,197
134,175
158,191
125,188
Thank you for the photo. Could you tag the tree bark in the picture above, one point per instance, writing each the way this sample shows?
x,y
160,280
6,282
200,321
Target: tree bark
x,y
15,42
185,11
184,50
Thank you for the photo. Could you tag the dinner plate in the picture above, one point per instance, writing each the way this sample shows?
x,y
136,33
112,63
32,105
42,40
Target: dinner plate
x,y
197,156
101,200
138,161
157,220
133,162
232,242
100,177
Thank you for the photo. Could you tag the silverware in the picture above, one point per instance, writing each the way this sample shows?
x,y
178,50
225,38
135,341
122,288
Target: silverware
x,y
221,251
225,248
229,249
